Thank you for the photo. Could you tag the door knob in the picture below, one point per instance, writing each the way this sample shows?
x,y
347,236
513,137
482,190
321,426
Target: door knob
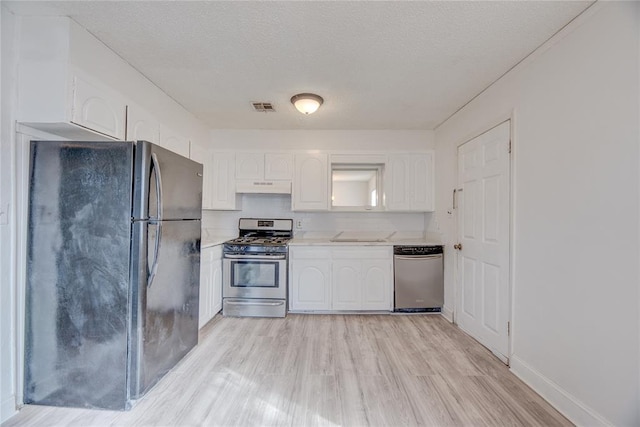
x,y
458,246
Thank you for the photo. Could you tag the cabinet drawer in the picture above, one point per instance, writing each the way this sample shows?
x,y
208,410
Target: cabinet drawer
x,y
362,253
310,253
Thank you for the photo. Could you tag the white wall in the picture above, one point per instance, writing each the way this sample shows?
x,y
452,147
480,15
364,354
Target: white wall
x,y
339,140
575,110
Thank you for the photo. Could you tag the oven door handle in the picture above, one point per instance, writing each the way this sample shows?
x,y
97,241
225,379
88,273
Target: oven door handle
x,y
256,257
270,304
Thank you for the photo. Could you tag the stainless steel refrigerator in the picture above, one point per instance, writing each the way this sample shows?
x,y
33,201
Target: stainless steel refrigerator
x,y
113,269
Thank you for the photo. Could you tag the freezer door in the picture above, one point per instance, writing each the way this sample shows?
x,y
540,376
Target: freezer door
x,y
167,186
166,321
77,284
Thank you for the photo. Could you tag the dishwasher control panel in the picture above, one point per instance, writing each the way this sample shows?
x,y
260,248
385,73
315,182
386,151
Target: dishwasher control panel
x,y
417,250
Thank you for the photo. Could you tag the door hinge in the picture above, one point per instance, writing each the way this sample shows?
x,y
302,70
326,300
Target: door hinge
x,y
509,146
508,329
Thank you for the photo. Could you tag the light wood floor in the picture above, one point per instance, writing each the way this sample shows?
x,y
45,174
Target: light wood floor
x,y
307,370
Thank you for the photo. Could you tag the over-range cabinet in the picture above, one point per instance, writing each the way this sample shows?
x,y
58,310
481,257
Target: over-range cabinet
x,y
113,268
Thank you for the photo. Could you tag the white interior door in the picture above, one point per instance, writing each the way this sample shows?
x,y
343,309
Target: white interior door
x,y
483,303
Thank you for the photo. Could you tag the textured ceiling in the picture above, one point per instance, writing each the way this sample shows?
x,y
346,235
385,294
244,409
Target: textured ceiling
x,y
378,64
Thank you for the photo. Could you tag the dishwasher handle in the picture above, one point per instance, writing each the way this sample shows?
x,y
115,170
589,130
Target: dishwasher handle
x,y
417,257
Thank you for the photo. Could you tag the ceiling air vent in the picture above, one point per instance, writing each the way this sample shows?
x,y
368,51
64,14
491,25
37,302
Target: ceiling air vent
x,y
263,107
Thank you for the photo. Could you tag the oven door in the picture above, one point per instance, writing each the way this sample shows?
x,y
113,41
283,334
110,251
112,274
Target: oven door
x,y
254,276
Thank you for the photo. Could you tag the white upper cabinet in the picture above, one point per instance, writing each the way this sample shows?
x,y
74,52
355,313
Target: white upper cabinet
x,y
98,108
204,156
311,183
263,173
70,84
141,125
56,96
218,178
264,166
250,166
224,196
409,182
278,166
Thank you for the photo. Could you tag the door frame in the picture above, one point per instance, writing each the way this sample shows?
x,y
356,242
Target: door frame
x,y
510,117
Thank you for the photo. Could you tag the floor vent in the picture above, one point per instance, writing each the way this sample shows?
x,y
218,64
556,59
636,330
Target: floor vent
x,y
263,107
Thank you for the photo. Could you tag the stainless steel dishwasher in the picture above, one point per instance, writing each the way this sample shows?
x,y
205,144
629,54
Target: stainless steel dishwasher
x,y
418,278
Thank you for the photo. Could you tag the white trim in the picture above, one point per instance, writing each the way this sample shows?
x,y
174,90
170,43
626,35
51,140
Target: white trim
x,y
501,119
568,405
8,408
447,313
513,217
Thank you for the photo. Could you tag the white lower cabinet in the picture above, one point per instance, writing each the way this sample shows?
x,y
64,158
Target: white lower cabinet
x,y
377,284
345,285
331,278
310,279
210,283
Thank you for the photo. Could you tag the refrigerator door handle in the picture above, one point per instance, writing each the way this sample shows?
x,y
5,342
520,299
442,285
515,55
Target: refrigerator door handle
x,y
154,266
156,167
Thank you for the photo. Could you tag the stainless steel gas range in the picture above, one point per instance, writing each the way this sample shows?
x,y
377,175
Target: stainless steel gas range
x,y
254,273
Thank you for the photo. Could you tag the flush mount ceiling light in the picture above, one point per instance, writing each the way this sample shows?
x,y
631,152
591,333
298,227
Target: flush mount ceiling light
x,y
307,103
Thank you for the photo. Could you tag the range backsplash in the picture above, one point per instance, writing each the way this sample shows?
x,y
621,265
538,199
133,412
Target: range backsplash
x,y
279,206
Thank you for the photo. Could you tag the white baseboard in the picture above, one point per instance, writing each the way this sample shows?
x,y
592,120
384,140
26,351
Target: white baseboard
x,y
447,313
8,408
568,405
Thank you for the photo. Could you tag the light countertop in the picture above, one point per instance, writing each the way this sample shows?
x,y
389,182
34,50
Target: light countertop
x,y
211,237
364,239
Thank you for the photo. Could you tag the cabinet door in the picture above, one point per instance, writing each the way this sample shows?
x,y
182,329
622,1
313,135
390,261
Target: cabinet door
x,y
205,287
421,196
141,125
98,108
204,156
224,183
311,183
310,285
377,285
409,182
216,281
278,166
397,183
250,166
346,285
